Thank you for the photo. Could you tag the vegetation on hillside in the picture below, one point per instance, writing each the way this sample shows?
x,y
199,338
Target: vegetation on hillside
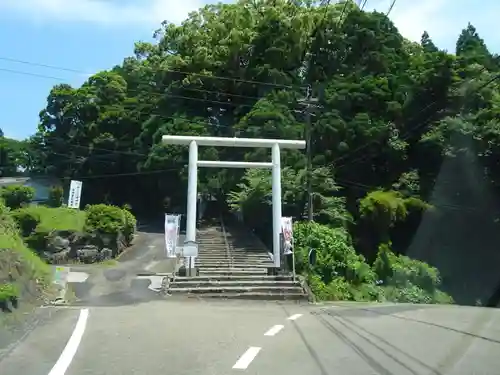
x,y
405,136
22,272
31,236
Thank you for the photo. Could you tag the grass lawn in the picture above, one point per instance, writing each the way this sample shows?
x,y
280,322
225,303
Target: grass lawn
x,y
60,218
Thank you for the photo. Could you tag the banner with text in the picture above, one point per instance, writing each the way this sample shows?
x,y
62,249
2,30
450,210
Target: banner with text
x,y
75,194
287,231
172,224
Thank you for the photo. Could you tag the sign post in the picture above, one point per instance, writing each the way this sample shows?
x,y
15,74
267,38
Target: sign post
x,y
190,252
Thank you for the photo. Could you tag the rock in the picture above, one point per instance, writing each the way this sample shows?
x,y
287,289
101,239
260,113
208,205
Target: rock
x,y
57,244
106,254
59,257
88,254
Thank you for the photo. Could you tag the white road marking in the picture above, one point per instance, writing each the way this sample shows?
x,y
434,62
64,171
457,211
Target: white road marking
x,y
151,246
274,330
294,317
77,277
151,265
156,282
247,358
69,351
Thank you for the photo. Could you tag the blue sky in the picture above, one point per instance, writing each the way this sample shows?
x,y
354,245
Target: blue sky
x,y
92,35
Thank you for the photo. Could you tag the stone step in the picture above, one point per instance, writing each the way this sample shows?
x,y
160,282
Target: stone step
x,y
237,261
206,255
234,278
237,289
234,260
235,269
234,253
210,283
249,296
249,265
217,272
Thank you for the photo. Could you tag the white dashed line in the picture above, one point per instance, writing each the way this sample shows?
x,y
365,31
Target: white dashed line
x,y
274,330
246,358
294,317
69,351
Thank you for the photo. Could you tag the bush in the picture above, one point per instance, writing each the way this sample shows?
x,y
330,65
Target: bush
x,y
19,265
38,222
130,224
8,292
16,196
342,274
56,196
107,219
408,280
336,256
27,220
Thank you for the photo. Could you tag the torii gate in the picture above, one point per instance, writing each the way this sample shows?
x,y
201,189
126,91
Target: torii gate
x,y
194,163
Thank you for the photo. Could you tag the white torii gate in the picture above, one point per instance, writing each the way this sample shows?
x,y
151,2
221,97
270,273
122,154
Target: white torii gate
x,y
194,163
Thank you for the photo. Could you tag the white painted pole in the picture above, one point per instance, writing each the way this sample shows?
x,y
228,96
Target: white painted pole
x,y
276,183
192,194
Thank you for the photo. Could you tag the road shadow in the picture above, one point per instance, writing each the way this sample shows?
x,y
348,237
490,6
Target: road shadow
x,y
390,311
137,293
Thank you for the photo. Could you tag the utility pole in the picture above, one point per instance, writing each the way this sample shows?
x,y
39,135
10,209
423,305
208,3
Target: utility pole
x,y
308,103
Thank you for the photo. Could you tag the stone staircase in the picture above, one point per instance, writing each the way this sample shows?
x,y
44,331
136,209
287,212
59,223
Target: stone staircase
x,y
233,263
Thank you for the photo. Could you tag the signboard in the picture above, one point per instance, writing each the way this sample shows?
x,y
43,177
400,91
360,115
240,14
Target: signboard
x,y
172,226
287,231
75,193
190,249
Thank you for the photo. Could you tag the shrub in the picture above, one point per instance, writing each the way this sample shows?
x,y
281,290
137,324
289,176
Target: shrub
x,y
336,256
8,292
16,196
130,224
102,218
27,220
56,196
16,260
408,280
38,222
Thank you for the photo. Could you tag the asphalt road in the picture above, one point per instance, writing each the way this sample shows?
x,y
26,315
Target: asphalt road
x,y
119,327
225,337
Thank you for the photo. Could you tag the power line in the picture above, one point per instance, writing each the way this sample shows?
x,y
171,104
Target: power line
x,y
163,95
13,71
390,8
112,175
253,82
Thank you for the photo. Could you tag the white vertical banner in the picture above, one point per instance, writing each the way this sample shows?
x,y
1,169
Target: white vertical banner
x,y
172,224
287,231
75,194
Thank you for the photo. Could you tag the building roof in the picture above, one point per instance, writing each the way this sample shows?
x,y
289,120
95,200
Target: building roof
x,y
21,180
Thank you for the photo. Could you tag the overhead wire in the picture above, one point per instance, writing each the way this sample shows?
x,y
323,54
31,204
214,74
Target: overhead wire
x,y
54,67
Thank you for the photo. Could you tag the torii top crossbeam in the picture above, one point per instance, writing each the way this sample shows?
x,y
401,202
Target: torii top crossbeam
x,y
233,142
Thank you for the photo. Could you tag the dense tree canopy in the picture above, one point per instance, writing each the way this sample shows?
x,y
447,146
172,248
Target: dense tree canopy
x,y
401,130
13,156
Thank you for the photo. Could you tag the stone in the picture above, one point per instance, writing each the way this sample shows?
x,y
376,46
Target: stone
x,y
57,244
106,254
88,254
